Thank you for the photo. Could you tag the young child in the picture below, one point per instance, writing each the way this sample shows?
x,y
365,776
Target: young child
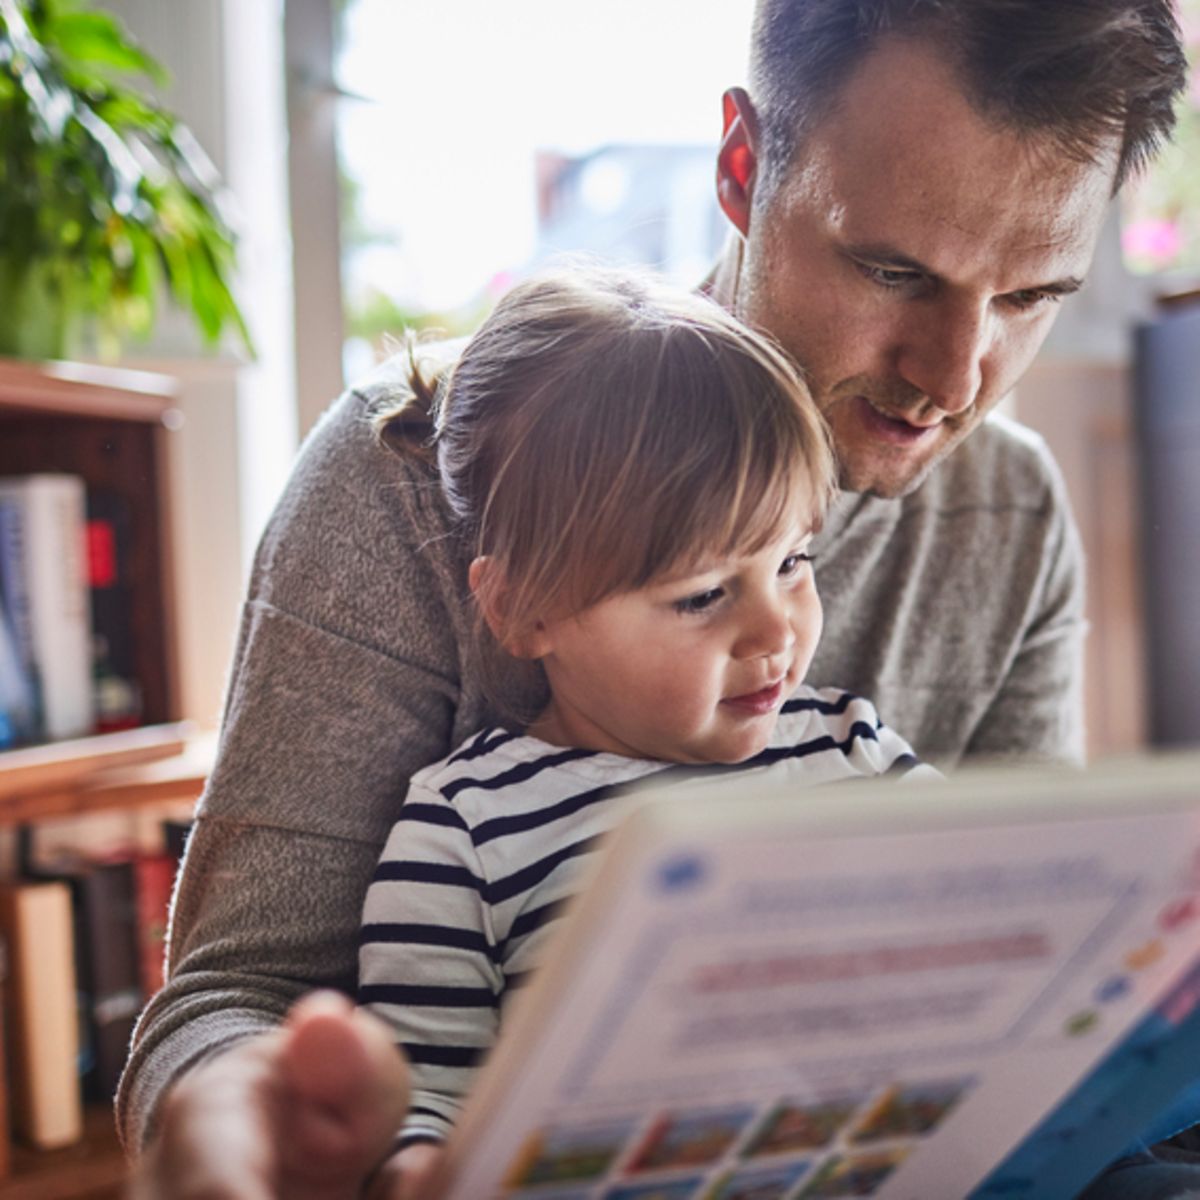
x,y
638,479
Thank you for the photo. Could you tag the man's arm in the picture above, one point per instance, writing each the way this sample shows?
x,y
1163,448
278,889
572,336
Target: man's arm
x,y
346,679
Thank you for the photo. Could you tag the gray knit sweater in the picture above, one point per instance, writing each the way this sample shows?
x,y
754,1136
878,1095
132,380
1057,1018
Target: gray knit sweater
x,y
957,610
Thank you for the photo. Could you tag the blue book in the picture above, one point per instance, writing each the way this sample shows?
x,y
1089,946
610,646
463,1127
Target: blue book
x,y
19,708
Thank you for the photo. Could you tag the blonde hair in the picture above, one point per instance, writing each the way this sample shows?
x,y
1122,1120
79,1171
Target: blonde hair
x,y
601,429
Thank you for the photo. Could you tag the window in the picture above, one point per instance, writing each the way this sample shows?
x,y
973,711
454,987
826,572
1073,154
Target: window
x,y
1161,211
487,138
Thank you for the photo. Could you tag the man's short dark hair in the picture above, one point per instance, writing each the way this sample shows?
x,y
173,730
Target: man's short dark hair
x,y
1080,71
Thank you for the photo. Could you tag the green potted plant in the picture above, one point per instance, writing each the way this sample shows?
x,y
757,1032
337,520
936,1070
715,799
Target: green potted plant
x,y
106,200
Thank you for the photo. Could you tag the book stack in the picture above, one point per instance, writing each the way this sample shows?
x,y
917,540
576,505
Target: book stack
x,y
66,659
84,943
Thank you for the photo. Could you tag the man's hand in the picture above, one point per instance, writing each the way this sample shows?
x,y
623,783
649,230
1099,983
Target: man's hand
x,y
303,1113
412,1174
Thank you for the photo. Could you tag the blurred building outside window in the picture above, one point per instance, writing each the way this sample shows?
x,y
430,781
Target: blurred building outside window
x,y
481,141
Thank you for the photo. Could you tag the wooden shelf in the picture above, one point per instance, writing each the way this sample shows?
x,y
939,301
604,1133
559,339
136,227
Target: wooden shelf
x,y
154,765
92,1169
84,390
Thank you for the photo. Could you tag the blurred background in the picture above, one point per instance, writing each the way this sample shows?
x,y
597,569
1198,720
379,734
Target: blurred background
x,y
397,165
355,168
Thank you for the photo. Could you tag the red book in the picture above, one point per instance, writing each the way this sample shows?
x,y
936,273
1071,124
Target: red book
x,y
154,876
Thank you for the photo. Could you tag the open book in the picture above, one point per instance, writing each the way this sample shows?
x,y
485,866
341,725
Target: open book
x,y
985,987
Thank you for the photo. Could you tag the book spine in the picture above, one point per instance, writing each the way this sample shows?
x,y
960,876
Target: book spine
x,y
5,1103
107,920
46,1101
53,509
155,876
118,697
19,692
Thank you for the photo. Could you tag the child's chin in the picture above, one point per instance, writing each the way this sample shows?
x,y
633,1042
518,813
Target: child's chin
x,y
732,755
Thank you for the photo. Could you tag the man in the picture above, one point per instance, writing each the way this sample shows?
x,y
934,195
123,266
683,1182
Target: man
x,y
913,185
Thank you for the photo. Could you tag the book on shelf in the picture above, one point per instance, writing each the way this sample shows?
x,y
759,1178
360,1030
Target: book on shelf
x,y
104,907
154,879
20,709
978,988
5,1124
117,694
43,1042
44,550
120,895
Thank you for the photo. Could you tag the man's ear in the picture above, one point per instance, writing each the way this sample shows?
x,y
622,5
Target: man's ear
x,y
737,159
490,588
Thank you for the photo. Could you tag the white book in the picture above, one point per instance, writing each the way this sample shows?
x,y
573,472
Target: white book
x,y
52,511
37,924
981,988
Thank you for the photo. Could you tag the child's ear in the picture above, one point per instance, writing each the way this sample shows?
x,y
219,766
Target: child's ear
x,y
490,588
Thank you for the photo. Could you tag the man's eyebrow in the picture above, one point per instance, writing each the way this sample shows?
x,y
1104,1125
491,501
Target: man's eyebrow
x,y
1058,287
883,254
889,256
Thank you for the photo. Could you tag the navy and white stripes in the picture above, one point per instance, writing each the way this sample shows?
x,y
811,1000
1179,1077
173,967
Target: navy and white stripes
x,y
490,844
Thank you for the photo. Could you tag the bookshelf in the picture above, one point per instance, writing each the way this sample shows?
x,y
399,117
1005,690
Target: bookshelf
x,y
112,428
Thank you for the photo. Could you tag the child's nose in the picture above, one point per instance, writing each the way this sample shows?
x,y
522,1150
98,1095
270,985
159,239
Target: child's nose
x,y
767,632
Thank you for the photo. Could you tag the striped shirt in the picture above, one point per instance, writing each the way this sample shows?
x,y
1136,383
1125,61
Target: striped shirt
x,y
489,846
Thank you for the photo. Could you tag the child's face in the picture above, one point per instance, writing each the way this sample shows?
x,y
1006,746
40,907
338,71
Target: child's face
x,y
688,669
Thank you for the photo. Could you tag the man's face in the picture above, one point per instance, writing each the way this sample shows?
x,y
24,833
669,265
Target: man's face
x,y
912,261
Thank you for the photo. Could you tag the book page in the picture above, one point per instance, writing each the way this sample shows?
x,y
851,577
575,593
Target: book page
x,y
777,1011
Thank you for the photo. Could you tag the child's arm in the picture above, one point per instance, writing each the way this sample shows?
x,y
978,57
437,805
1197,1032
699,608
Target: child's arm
x,y
429,965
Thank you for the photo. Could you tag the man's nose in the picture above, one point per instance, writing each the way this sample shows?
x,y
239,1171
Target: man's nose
x,y
766,630
944,351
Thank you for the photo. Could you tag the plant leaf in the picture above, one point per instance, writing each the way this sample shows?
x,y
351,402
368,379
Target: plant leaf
x,y
97,38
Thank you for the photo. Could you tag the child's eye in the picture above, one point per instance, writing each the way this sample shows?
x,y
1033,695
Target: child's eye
x,y
700,602
793,562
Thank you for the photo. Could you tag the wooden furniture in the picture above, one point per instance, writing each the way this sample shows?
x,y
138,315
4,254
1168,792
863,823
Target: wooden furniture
x,y
150,766
110,427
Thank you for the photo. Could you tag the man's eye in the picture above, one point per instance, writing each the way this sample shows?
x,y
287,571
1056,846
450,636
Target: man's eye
x,y
793,563
1031,299
888,277
700,602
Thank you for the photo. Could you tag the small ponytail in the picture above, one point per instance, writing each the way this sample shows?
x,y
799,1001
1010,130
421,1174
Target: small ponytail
x,y
409,428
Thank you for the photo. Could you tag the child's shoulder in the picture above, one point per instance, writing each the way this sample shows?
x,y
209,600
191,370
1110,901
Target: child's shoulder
x,y
492,748
499,769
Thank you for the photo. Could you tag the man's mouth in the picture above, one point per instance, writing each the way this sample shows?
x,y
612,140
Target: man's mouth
x,y
891,427
763,701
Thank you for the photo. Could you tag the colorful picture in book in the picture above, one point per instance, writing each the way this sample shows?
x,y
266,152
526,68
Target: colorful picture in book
x,y
675,1189
797,1126
568,1154
759,1183
909,1110
584,1193
854,1174
690,1139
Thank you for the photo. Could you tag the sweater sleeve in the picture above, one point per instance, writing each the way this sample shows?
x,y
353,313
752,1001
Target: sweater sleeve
x,y
429,961
345,681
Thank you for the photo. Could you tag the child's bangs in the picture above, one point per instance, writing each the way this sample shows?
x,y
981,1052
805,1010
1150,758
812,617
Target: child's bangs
x,y
737,463
752,499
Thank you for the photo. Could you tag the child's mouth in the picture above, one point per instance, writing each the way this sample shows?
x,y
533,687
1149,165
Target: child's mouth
x,y
757,703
